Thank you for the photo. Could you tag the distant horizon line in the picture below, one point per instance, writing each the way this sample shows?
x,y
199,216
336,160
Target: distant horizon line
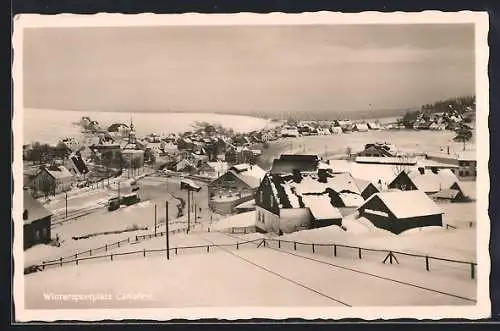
x,y
268,114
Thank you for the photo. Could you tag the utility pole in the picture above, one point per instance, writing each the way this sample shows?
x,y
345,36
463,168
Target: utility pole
x,y
155,219
188,210
166,229
66,202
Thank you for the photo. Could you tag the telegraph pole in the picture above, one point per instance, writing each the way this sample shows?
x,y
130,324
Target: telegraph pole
x,y
189,210
155,219
166,229
66,202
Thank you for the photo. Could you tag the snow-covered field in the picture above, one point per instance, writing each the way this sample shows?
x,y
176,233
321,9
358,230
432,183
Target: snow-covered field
x,y
242,220
49,125
247,277
409,141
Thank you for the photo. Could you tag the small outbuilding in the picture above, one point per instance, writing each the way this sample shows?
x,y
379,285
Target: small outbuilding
x,y
37,221
397,211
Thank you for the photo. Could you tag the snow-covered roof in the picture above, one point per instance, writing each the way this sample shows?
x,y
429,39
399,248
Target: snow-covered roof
x,y
430,182
398,203
292,197
351,199
59,172
33,208
386,160
361,126
446,194
252,175
427,163
366,171
321,207
247,204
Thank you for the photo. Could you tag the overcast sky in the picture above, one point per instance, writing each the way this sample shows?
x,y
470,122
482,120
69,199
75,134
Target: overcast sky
x,y
244,69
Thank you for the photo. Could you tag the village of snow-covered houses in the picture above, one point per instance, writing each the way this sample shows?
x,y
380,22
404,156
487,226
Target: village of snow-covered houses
x,y
345,212
254,211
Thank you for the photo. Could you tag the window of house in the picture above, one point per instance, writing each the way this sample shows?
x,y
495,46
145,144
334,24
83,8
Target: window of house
x,y
37,235
44,233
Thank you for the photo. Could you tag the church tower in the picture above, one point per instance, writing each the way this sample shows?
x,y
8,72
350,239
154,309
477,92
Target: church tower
x,y
131,135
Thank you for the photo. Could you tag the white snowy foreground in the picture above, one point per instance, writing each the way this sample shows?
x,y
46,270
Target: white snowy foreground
x,y
246,277
242,220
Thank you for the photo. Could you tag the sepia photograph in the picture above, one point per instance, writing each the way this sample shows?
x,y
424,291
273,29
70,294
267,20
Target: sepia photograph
x,y
315,165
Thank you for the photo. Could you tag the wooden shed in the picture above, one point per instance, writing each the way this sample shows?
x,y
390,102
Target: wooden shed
x,y
397,211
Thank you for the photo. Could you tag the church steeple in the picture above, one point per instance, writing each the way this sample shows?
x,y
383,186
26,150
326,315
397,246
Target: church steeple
x,y
131,135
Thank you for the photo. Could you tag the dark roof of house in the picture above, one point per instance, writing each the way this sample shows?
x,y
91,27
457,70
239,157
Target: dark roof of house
x,y
289,163
79,164
285,166
35,210
299,157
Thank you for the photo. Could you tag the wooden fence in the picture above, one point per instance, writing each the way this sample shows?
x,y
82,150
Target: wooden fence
x,y
385,256
431,263
116,244
144,253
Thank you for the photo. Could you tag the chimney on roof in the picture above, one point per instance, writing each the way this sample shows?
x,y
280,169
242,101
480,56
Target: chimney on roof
x,y
322,175
297,176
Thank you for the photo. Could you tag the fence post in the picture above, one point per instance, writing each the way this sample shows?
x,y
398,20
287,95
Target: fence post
x,y
105,248
359,252
208,248
390,257
90,252
279,243
76,261
176,251
118,244
237,245
472,271
313,248
43,265
427,263
294,245
111,257
264,243
128,240
334,250
60,259
144,252
208,229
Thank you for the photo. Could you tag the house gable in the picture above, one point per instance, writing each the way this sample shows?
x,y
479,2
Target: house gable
x,y
265,197
403,182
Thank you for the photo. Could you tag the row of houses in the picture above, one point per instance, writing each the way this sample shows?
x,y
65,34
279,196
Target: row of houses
x,y
307,130
302,191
